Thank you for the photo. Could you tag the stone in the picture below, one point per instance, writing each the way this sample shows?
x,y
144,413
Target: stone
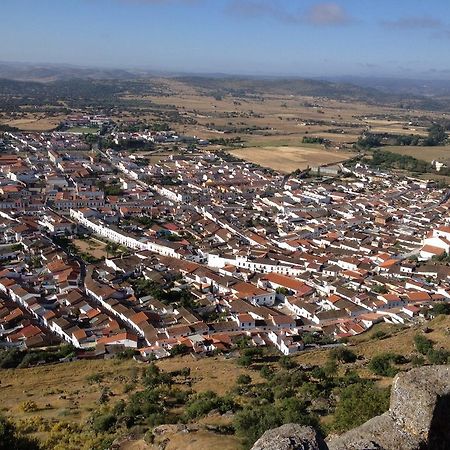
x,y
290,437
418,399
380,433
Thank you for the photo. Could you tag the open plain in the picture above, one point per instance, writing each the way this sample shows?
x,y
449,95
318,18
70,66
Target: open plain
x,y
289,159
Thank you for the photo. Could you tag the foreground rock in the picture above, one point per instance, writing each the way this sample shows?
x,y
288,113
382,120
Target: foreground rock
x,y
418,419
290,437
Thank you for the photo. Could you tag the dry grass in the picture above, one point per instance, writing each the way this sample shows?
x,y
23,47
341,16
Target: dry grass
x,y
34,123
63,386
66,389
194,440
435,177
92,247
73,398
136,445
283,116
202,440
441,153
288,159
217,374
156,158
400,339
395,127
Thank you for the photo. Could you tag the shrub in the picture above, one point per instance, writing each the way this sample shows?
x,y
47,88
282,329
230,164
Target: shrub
x,y
441,308
343,354
154,377
245,360
382,365
129,387
179,349
33,425
380,334
11,439
95,378
149,437
319,373
417,361
293,410
253,421
266,372
104,395
286,362
103,422
358,403
159,418
439,356
330,368
28,406
179,396
128,353
380,289
243,342
244,379
399,359
185,372
201,404
10,359
350,377
423,344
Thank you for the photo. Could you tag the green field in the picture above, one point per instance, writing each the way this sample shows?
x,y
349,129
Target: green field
x,y
84,130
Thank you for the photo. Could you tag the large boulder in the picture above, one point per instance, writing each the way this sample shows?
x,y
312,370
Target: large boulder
x,y
379,433
420,402
290,437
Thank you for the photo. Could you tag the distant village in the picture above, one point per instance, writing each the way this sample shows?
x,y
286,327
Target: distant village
x,y
201,251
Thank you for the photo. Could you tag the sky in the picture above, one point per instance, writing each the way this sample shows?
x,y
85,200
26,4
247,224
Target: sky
x,y
401,38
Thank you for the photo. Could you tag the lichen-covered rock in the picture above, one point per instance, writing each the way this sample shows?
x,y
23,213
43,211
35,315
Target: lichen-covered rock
x,y
290,437
379,433
418,400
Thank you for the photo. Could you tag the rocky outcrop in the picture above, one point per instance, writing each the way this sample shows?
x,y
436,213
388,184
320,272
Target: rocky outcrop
x,y
418,419
290,437
420,405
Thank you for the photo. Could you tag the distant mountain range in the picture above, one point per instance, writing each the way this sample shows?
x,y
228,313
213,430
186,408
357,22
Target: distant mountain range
x,y
384,94
244,86
431,88
55,72
429,94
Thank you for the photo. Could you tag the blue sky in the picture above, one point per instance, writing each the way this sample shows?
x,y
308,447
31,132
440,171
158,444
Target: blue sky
x,y
409,38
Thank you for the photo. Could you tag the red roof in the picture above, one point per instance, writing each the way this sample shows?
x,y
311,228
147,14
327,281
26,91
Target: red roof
x,y
117,337
289,282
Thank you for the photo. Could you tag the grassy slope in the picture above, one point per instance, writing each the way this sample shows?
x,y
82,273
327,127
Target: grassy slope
x,y
399,340
63,386
72,397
